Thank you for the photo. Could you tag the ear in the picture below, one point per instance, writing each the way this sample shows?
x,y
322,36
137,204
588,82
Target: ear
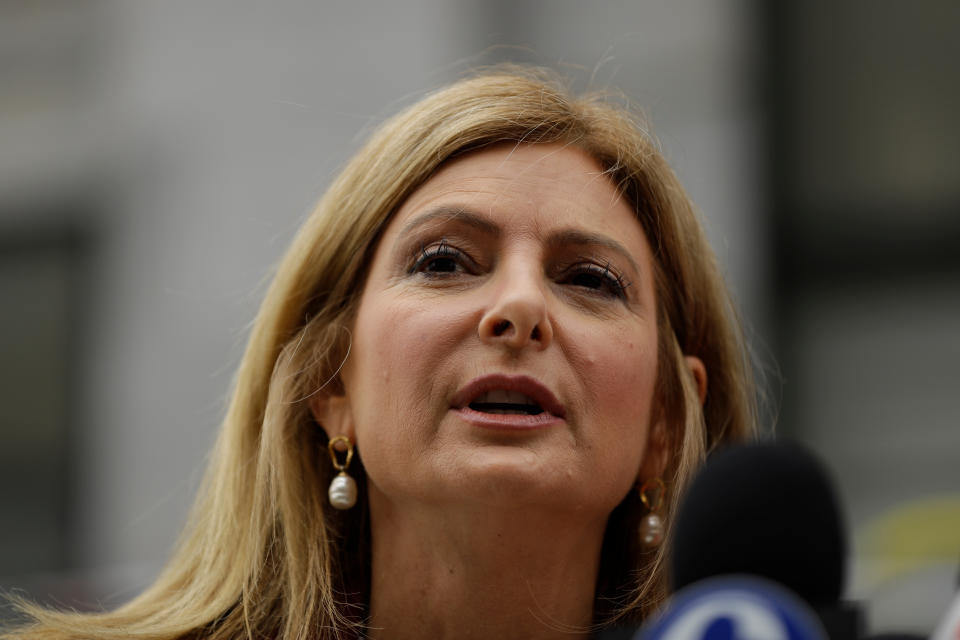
x,y
334,415
699,372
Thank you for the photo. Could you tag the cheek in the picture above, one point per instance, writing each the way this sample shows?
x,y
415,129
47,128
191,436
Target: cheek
x,y
383,359
622,375
377,379
401,348
619,377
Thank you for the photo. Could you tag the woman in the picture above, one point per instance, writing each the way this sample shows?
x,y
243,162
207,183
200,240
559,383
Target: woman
x,y
505,327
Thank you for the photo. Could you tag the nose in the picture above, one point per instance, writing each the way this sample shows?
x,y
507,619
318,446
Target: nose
x,y
517,317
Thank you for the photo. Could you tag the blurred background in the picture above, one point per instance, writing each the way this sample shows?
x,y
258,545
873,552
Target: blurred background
x,y
156,158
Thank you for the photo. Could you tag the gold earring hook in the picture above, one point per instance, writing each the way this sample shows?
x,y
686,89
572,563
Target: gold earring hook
x,y
331,446
653,483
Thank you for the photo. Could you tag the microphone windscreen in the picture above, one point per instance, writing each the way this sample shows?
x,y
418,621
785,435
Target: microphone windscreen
x,y
765,509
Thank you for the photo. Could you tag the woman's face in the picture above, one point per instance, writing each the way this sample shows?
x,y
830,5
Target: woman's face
x,y
505,347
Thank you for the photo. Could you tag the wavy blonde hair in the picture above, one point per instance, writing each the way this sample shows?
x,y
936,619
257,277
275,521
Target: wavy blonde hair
x,y
263,556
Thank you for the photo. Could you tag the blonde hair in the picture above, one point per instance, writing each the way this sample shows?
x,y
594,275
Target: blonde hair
x,y
263,555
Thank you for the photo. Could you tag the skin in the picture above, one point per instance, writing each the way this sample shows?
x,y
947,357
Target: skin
x,y
521,260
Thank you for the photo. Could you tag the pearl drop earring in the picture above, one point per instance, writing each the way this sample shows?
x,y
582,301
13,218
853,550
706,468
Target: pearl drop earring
x,y
343,488
651,526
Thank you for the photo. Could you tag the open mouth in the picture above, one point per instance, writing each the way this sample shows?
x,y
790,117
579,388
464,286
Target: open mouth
x,y
506,402
503,401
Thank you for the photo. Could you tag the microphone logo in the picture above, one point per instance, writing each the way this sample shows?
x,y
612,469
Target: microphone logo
x,y
734,608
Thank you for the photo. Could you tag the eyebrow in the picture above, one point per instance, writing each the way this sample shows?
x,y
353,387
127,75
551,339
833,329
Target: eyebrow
x,y
558,239
452,213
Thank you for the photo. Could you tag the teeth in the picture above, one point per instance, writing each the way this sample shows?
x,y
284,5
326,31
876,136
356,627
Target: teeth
x,y
505,397
504,402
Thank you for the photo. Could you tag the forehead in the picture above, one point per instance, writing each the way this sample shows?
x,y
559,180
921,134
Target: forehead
x,y
530,187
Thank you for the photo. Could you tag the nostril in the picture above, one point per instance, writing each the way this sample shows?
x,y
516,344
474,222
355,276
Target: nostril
x,y
535,334
501,327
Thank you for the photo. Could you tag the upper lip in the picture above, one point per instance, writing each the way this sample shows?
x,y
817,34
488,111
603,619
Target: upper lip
x,y
523,384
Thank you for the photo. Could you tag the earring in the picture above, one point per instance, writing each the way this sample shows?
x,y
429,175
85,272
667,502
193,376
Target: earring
x,y
343,489
651,527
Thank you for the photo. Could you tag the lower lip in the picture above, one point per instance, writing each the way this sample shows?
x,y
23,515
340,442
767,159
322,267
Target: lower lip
x,y
508,421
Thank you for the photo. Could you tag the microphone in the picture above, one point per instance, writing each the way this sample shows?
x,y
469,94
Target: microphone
x,y
766,510
734,608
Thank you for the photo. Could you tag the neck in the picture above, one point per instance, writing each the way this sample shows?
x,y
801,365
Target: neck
x,y
482,573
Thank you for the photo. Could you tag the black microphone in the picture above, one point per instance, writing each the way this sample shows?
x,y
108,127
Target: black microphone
x,y
767,510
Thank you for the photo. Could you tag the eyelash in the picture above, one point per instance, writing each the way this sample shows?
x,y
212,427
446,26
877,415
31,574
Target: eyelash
x,y
430,255
612,284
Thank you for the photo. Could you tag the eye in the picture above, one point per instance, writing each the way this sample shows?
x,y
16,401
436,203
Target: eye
x,y
596,278
441,259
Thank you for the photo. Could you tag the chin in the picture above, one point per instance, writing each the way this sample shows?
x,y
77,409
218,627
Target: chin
x,y
512,477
